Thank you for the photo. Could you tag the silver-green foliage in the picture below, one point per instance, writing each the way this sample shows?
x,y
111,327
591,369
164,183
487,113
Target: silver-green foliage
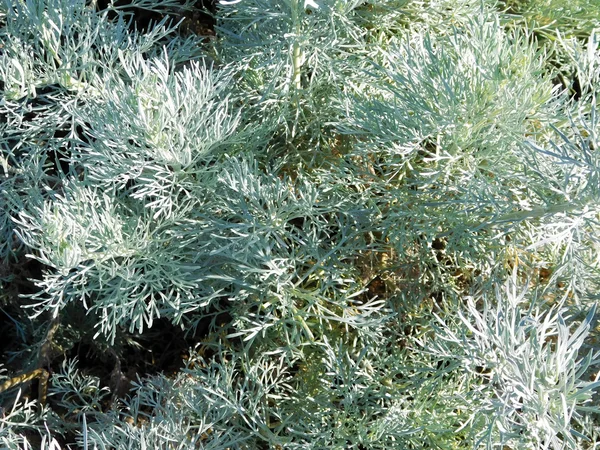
x,y
276,175
524,382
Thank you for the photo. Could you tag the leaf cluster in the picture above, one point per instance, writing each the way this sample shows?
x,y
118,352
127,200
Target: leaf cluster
x,y
350,224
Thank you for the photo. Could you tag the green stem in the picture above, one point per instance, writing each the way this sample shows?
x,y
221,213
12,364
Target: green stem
x,y
296,49
297,64
539,212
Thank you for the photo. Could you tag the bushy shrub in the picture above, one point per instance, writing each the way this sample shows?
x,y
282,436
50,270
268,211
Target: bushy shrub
x,y
331,224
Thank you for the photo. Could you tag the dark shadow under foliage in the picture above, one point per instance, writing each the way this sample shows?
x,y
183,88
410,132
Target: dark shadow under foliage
x,y
199,19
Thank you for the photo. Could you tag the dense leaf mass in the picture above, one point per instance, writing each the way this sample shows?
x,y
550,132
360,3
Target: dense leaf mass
x,y
321,224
